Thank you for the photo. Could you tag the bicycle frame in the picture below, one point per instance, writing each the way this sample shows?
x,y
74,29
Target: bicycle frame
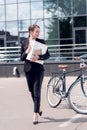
x,y
64,75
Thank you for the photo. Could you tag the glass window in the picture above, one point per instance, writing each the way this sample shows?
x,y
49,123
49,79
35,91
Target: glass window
x,y
11,27
36,0
36,10
1,1
11,44
2,26
23,11
79,7
50,9
23,25
51,28
23,0
1,45
2,13
51,42
23,35
80,36
66,48
54,50
11,1
11,12
64,8
65,27
80,21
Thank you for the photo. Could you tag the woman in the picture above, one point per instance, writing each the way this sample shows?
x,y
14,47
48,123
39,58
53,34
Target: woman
x,y
34,71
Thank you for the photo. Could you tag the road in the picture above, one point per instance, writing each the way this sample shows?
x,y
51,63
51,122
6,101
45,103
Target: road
x,y
16,109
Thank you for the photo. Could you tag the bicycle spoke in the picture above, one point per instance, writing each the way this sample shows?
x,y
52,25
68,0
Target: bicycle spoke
x,y
53,95
77,98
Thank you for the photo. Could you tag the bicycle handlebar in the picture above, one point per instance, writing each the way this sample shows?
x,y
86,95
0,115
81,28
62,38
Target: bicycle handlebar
x,y
82,64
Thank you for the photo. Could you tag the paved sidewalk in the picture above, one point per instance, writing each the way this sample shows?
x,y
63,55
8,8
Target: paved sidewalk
x,y
16,108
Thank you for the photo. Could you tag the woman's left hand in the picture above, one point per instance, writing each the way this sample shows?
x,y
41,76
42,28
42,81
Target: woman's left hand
x,y
35,57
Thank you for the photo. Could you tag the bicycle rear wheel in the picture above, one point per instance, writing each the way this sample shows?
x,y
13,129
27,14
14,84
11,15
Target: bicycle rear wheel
x,y
77,98
53,94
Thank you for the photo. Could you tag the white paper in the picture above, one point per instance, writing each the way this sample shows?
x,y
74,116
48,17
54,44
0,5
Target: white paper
x,y
37,46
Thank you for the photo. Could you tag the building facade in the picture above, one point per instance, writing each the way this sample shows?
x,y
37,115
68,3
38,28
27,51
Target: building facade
x,y
63,25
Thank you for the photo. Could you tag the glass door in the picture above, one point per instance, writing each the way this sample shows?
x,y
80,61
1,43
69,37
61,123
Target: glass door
x,y
80,41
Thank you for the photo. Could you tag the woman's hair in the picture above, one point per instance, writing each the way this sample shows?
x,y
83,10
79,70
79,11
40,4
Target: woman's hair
x,y
32,27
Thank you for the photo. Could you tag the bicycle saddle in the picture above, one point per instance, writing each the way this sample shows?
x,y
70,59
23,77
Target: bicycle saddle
x,y
62,66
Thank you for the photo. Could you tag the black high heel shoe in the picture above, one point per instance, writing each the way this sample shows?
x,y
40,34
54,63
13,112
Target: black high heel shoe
x,y
35,122
40,113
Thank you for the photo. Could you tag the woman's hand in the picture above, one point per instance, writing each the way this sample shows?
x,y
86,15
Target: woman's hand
x,y
34,58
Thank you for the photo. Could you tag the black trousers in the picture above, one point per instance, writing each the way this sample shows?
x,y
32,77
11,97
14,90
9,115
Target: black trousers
x,y
34,80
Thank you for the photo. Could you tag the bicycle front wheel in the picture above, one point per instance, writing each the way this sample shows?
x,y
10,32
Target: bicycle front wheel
x,y
53,95
77,98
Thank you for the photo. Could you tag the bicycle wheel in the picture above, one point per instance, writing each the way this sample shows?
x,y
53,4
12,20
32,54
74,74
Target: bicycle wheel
x,y
77,98
53,91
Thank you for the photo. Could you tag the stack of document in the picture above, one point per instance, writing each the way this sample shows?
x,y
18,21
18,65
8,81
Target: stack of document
x,y
39,49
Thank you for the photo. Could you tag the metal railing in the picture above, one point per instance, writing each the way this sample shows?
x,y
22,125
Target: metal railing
x,y
57,52
66,52
9,54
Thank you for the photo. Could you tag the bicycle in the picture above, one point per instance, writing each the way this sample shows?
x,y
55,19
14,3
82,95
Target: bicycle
x,y
76,92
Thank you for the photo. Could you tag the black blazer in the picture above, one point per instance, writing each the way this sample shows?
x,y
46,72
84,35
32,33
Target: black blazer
x,y
32,65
